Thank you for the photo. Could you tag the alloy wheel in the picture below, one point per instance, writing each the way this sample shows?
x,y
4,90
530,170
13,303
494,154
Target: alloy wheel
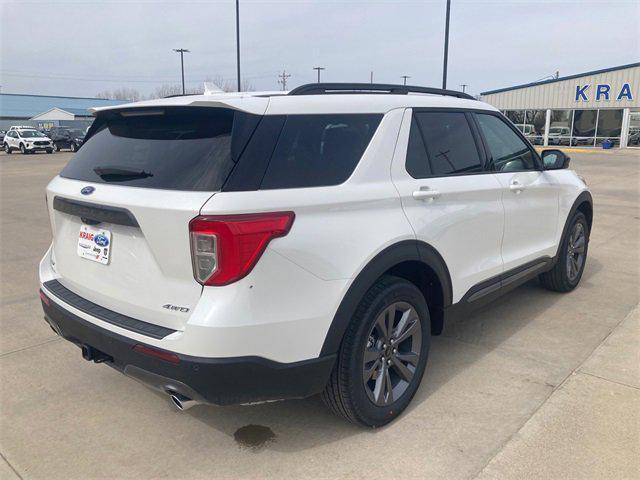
x,y
576,251
392,353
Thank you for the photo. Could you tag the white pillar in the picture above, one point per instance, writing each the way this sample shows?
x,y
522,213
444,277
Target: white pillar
x,y
547,122
624,134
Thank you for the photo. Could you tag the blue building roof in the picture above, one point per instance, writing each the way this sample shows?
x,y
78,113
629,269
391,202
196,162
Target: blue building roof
x,y
561,79
26,106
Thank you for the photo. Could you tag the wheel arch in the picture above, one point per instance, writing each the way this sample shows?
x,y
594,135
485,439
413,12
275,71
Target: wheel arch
x,y
586,207
416,262
583,203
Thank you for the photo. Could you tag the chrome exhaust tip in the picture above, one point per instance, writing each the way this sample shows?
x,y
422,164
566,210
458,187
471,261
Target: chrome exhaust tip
x,y
182,402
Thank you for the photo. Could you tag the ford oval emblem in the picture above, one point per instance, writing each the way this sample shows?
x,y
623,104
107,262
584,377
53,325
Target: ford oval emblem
x,y
87,190
101,240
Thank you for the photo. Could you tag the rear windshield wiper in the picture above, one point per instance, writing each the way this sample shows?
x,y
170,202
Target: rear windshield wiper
x,y
116,173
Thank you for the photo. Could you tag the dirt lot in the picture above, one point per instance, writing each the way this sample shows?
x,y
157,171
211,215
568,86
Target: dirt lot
x,y
538,385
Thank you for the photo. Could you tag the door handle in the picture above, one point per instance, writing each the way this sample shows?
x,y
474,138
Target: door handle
x,y
516,186
426,193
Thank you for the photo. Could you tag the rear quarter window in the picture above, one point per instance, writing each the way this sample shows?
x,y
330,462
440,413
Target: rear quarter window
x,y
319,150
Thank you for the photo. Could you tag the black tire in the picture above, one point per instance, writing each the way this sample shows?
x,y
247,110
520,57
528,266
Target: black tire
x,y
23,150
347,394
57,147
49,150
73,147
7,149
560,277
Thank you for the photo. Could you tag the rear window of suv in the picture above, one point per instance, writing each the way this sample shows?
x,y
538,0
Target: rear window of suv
x,y
197,149
177,149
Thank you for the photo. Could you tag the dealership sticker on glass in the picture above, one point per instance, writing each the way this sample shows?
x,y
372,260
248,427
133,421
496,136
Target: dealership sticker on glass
x,y
94,244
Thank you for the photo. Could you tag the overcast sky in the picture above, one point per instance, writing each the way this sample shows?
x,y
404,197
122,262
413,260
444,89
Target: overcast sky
x,y
82,47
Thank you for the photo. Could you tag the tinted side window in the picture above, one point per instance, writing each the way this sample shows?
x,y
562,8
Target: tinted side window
x,y
451,148
508,151
417,162
319,150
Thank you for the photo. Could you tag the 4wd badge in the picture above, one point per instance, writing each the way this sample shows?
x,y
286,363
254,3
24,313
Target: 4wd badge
x,y
175,308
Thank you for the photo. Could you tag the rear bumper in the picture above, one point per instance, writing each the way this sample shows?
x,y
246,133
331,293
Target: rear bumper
x,y
220,381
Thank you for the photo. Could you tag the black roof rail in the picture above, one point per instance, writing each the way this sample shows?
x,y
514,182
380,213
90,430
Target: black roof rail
x,y
346,88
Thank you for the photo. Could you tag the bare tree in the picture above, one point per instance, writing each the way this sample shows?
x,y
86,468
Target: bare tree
x,y
229,85
167,90
247,86
223,84
123,93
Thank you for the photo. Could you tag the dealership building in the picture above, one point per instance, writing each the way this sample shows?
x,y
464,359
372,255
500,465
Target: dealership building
x,y
587,109
46,111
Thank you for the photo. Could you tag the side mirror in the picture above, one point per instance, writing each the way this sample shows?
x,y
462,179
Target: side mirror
x,y
555,159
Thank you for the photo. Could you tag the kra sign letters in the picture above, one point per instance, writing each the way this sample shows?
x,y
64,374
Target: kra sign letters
x,y
603,92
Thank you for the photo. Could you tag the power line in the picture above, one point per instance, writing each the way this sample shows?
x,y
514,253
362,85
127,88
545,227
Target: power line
x,y
464,86
110,78
319,69
282,79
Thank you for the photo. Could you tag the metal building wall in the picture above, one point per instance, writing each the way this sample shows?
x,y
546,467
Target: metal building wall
x,y
561,94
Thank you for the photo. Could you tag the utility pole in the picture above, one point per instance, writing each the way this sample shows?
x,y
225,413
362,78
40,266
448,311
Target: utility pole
x,y
238,41
464,86
181,51
371,77
404,78
282,79
446,46
319,69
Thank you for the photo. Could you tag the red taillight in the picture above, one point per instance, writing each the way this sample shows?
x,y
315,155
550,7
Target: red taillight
x,y
44,298
224,248
155,352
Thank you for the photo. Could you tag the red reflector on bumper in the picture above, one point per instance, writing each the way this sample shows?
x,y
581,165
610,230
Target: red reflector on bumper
x,y
154,352
44,298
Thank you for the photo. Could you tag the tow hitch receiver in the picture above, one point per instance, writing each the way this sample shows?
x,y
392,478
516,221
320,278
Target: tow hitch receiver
x,y
89,353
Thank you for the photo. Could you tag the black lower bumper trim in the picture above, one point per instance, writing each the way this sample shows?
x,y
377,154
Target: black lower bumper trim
x,y
67,296
220,381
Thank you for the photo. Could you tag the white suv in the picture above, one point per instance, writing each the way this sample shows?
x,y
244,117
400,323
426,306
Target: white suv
x,y
241,248
27,140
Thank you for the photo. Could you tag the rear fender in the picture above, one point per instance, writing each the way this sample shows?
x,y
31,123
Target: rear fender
x,y
408,250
